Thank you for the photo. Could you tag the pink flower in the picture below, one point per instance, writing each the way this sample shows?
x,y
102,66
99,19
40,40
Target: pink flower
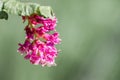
x,y
49,24
52,38
39,46
24,47
29,32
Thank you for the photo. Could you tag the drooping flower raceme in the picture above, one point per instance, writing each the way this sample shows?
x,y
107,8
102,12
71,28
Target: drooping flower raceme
x,y
41,38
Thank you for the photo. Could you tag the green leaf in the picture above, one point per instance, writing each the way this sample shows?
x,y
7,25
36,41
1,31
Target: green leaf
x,y
26,9
3,15
1,5
46,11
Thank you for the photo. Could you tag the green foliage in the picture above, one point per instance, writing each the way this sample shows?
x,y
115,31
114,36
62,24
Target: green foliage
x,y
24,9
1,5
3,15
46,11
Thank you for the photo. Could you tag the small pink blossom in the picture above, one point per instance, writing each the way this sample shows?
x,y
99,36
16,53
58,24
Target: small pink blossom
x,y
39,46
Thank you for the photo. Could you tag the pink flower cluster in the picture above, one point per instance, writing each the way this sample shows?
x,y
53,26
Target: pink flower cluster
x,y
41,38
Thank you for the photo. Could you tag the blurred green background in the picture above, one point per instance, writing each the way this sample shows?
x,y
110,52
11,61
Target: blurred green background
x,y
90,32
